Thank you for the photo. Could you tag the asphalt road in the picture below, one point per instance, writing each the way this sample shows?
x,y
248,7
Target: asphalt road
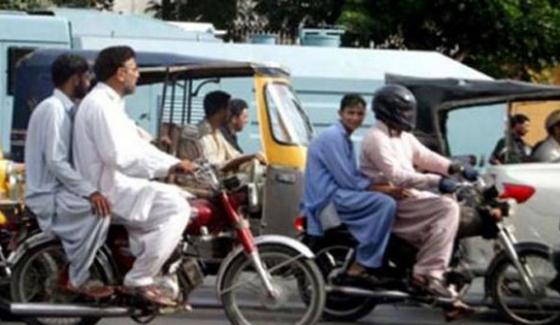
x,y
207,310
383,315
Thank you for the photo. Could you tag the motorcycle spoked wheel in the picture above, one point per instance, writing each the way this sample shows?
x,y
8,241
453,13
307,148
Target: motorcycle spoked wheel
x,y
35,278
291,273
510,295
341,307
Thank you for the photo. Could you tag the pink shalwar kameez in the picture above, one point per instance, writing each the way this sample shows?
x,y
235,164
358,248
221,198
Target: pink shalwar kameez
x,y
427,220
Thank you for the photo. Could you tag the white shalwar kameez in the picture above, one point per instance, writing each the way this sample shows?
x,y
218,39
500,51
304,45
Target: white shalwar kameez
x,y
55,192
109,152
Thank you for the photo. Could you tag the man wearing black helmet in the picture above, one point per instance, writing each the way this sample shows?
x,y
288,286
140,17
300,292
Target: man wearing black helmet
x,y
427,220
549,149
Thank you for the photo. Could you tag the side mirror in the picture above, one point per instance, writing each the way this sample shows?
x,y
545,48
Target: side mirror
x,y
482,161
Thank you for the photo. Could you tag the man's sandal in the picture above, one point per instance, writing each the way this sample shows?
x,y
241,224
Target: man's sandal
x,y
93,289
152,294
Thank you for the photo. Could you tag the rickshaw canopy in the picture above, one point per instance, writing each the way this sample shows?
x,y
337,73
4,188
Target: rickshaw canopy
x,y
436,97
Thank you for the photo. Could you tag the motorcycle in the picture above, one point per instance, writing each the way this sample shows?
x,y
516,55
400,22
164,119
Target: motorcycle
x,y
260,280
516,279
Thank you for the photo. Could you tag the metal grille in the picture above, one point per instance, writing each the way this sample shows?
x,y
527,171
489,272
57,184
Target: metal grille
x,y
176,107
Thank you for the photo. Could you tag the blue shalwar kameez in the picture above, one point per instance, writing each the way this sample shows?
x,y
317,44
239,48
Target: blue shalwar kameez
x,y
332,176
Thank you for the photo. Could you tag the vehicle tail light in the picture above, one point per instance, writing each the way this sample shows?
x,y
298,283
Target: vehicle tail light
x,y
520,193
299,224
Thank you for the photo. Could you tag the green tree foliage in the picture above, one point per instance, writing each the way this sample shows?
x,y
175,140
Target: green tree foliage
x,y
288,15
221,13
44,4
21,4
504,38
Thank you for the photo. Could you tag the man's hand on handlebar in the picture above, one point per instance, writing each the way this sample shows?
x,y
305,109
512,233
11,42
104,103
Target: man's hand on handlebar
x,y
261,158
183,167
467,171
447,185
100,205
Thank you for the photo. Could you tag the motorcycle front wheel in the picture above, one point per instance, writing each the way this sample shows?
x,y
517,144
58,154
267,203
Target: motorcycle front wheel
x,y
513,298
36,278
298,285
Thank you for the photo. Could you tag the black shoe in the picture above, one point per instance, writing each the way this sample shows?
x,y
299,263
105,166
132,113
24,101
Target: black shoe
x,y
372,277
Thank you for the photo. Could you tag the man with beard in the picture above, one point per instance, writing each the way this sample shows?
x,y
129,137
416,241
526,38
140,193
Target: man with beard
x,y
110,151
65,204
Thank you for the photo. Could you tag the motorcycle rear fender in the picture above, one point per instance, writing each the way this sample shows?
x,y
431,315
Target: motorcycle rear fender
x,y
519,247
103,255
264,240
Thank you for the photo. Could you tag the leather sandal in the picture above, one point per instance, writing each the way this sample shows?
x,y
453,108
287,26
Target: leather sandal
x,y
152,294
459,310
432,286
94,289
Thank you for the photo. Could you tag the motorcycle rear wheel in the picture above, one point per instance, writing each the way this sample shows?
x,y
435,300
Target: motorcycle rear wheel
x,y
35,279
297,279
513,299
341,307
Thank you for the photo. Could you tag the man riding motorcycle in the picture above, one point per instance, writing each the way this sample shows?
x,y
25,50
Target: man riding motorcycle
x,y
425,219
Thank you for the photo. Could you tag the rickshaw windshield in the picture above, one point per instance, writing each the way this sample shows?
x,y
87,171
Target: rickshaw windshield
x,y
288,121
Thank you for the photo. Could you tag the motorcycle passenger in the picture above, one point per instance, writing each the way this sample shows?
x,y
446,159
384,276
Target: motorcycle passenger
x,y
109,152
336,191
65,203
549,149
427,220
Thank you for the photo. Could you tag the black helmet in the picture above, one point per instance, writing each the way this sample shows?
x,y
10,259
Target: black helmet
x,y
395,105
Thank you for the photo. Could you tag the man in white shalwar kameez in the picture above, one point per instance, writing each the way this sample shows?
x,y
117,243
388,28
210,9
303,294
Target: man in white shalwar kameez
x,y
110,152
426,219
58,195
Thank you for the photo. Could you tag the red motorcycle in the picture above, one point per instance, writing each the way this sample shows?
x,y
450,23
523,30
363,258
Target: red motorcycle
x,y
260,280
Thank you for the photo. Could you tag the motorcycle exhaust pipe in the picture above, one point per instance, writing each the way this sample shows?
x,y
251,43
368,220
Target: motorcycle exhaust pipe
x,y
66,310
386,295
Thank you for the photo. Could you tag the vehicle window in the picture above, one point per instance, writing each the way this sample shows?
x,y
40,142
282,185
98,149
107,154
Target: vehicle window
x,y
289,123
14,55
475,130
535,131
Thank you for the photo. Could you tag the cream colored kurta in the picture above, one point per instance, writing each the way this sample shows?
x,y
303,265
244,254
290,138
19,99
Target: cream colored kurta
x,y
216,149
111,154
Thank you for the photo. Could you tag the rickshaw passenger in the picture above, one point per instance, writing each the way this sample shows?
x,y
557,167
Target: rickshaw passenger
x,y
238,118
215,148
66,204
549,149
427,220
109,151
336,191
